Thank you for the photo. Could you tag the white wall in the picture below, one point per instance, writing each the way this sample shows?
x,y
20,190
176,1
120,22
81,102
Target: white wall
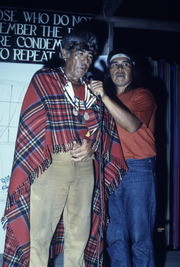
x,y
14,79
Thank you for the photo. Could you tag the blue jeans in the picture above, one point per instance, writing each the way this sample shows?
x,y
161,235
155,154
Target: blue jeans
x,y
132,209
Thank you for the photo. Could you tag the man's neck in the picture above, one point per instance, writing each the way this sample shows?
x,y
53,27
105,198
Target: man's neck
x,y
120,89
76,82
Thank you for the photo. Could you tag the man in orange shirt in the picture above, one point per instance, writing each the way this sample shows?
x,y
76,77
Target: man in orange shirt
x,y
132,206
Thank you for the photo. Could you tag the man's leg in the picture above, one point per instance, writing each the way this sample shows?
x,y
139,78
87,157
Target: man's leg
x,y
77,213
48,196
132,216
117,232
140,203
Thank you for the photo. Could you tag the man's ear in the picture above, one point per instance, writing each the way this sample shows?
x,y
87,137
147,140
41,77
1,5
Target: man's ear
x,y
64,54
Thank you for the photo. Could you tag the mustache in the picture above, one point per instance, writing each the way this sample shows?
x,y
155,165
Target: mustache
x,y
84,66
120,74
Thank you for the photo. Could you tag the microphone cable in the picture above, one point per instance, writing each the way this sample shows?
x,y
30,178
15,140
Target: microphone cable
x,y
100,164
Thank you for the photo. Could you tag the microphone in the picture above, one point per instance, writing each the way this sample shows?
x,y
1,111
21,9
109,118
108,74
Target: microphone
x,y
90,78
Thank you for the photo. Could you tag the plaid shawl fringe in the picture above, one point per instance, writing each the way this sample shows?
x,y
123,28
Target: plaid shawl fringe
x,y
21,257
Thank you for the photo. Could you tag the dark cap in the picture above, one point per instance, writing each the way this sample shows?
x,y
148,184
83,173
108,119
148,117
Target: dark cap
x,y
80,40
119,53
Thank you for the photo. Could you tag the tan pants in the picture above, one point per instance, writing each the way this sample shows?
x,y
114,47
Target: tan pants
x,y
65,187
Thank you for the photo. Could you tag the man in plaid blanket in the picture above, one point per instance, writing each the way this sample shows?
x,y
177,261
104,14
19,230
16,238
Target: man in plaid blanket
x,y
57,196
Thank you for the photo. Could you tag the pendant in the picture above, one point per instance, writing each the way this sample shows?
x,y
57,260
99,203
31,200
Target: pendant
x,y
86,116
75,112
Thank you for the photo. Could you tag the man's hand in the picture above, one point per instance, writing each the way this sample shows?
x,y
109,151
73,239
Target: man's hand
x,y
97,88
81,152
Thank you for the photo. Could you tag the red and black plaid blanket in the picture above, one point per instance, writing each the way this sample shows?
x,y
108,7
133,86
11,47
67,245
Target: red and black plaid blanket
x,y
47,125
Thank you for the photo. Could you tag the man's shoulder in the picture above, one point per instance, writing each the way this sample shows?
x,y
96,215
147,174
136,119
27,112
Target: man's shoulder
x,y
48,74
141,91
143,95
47,71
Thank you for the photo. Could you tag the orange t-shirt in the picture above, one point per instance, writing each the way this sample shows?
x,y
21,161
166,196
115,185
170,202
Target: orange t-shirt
x,y
140,144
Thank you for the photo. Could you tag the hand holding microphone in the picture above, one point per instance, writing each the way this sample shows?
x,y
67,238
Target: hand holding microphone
x,y
96,86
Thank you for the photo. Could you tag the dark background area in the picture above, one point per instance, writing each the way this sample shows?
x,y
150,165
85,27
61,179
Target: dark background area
x,y
154,9
155,43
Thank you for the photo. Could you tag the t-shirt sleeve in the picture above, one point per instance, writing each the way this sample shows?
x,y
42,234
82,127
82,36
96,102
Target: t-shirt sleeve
x,y
143,105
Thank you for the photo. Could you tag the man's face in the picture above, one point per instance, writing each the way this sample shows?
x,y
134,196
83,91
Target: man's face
x,y
77,63
121,72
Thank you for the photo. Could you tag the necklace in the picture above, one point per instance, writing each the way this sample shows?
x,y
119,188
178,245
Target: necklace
x,y
77,104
